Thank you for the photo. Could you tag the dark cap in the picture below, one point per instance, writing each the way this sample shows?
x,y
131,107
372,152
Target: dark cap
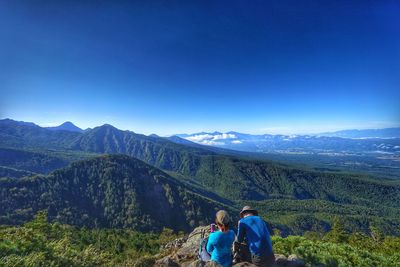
x,y
248,209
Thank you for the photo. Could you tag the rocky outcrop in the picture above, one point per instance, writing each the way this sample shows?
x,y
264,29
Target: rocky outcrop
x,y
183,253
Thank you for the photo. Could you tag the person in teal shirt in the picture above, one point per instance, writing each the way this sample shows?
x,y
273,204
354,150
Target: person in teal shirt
x,y
219,243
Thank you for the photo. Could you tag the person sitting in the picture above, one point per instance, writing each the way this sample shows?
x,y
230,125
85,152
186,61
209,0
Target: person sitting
x,y
220,242
258,239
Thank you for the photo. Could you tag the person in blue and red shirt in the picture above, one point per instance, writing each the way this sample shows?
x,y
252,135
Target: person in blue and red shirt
x,y
252,228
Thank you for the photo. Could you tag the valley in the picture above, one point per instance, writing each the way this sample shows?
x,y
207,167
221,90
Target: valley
x,y
286,191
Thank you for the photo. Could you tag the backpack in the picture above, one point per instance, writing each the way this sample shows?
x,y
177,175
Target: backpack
x,y
203,255
241,253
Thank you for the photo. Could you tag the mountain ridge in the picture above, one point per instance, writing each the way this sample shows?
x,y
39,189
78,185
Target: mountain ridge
x,y
107,191
311,144
66,126
393,132
254,179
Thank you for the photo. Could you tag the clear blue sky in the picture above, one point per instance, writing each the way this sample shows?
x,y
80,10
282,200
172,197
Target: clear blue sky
x,y
185,66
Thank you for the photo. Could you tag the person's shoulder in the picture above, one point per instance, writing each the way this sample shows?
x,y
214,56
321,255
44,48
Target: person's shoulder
x,y
258,218
215,234
247,219
242,220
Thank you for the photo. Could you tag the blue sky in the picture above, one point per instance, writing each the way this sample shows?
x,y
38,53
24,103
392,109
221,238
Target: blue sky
x,y
170,67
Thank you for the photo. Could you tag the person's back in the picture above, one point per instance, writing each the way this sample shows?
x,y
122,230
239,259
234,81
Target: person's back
x,y
258,239
257,234
220,247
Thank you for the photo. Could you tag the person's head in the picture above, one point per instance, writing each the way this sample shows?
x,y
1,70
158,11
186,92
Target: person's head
x,y
248,211
222,220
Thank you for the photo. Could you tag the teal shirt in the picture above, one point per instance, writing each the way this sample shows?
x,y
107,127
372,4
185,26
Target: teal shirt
x,y
219,245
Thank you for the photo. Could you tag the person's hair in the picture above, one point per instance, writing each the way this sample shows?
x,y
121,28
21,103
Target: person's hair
x,y
224,227
222,220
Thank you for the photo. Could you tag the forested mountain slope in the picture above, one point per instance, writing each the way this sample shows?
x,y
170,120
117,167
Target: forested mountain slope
x,y
156,151
245,179
15,134
42,161
108,191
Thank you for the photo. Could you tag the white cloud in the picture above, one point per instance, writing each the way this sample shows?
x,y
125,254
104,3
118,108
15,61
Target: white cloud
x,y
211,140
199,138
236,142
212,143
224,136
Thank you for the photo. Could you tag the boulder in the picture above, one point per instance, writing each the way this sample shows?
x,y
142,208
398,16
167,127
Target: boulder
x,y
295,261
244,264
189,249
177,243
280,260
166,262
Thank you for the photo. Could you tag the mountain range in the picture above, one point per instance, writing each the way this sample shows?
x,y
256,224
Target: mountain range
x,y
366,133
67,173
333,142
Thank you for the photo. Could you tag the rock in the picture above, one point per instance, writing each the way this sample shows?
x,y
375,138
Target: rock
x,y
177,243
295,261
280,260
244,264
184,250
190,248
195,263
166,262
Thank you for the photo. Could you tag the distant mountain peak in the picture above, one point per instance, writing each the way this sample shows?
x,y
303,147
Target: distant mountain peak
x,y
66,126
11,121
107,126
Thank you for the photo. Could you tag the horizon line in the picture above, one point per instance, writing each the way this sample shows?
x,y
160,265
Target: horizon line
x,y
48,125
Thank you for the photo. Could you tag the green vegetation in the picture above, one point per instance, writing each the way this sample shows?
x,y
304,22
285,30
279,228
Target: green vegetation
x,y
18,135
39,243
108,191
359,252
15,173
37,160
372,165
339,248
294,217
244,179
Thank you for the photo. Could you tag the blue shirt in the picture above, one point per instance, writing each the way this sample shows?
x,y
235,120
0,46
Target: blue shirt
x,y
257,234
219,245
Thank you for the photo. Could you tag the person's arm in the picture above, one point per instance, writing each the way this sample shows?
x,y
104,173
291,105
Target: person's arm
x,y
210,244
241,232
